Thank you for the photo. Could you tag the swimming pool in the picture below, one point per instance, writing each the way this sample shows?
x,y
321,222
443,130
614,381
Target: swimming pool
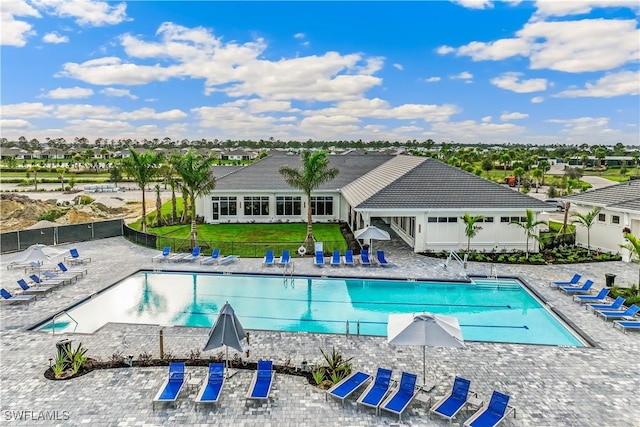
x,y
492,311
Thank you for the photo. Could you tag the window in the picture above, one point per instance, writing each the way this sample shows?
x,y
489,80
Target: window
x,y
228,206
602,217
615,219
487,219
504,219
432,219
452,219
288,205
412,226
322,205
256,206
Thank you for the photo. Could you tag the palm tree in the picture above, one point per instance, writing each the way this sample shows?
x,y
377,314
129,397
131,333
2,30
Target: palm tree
x,y
519,173
538,174
471,229
197,179
633,246
315,171
158,206
586,220
35,169
530,227
142,168
61,172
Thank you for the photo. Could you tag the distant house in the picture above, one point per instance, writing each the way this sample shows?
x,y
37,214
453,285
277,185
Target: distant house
x,y
15,152
237,155
422,200
620,208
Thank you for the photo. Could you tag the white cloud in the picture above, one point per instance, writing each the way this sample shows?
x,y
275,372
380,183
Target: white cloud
x,y
569,46
119,93
537,100
67,93
613,84
85,12
580,129
27,109
432,79
55,38
7,124
512,82
68,111
96,127
564,8
486,119
299,35
505,116
465,75
475,4
398,67
151,114
111,70
380,109
16,32
470,131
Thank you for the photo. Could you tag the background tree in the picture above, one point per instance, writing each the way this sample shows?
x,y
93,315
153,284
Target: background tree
x,y
158,206
487,165
471,230
35,169
530,227
545,167
315,171
115,174
142,169
586,220
537,174
197,177
61,172
519,173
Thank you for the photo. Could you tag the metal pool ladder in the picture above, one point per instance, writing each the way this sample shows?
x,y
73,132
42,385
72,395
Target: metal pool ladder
x,y
53,321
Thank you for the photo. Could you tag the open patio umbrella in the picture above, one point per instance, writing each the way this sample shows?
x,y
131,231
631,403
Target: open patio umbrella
x,y
371,233
425,329
226,331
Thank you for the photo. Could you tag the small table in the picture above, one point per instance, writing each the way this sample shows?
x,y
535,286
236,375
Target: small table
x,y
475,402
193,383
422,397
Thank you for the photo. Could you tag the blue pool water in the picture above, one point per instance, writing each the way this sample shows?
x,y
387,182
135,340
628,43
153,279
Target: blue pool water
x,y
487,311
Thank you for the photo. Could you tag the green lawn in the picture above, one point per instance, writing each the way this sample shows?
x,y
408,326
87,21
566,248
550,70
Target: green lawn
x,y
250,240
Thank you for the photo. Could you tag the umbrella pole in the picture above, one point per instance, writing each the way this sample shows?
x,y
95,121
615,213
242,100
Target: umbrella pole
x,y
424,365
226,360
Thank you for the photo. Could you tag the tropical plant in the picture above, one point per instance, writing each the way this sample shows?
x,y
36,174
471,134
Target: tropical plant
x,y
318,374
61,172
633,246
142,167
60,365
35,169
197,177
76,358
337,367
471,230
315,171
115,174
530,226
587,221
538,174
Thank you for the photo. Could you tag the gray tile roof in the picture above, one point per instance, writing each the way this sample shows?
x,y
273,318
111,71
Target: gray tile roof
x,y
436,185
263,175
621,196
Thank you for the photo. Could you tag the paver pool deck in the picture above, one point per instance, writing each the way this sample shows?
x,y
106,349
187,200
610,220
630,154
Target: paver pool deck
x,y
550,386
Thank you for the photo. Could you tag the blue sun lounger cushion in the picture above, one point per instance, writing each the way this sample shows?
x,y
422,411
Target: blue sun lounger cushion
x,y
615,305
336,259
452,403
319,258
348,258
600,297
285,258
493,414
402,396
6,296
347,385
172,386
573,282
584,289
268,258
377,390
364,257
26,289
211,389
262,381
627,314
213,258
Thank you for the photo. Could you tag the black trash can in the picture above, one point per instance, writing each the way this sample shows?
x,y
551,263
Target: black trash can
x,y
610,279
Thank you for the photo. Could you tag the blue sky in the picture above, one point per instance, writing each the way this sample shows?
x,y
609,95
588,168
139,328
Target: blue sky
x,y
468,71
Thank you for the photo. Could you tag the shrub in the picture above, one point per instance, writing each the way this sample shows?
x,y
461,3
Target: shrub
x,y
51,215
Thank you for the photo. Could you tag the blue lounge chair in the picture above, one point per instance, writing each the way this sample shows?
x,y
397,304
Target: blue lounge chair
x,y
627,324
166,253
75,257
30,290
336,258
8,298
260,387
177,257
268,258
380,259
348,258
38,281
348,385
81,271
285,257
573,282
593,299
452,403
195,254
68,278
228,258
493,414
402,396
377,390
172,386
319,258
574,290
213,258
615,305
364,257
626,315
210,391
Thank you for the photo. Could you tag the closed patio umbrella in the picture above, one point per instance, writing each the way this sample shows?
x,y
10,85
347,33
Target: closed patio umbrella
x,y
226,331
371,233
425,329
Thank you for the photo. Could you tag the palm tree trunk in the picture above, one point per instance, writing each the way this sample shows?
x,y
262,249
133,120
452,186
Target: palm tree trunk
x,y
174,207
309,240
194,230
144,211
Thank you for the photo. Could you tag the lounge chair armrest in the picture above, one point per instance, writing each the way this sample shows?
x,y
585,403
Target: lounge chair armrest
x,y
509,410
